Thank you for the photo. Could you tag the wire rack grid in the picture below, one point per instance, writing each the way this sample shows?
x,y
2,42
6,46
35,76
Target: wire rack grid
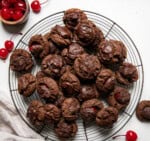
x,y
86,132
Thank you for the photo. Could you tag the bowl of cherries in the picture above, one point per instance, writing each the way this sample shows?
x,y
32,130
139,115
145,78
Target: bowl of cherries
x,y
14,12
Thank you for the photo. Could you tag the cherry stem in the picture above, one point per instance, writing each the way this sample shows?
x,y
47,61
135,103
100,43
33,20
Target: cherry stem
x,y
117,136
44,2
19,33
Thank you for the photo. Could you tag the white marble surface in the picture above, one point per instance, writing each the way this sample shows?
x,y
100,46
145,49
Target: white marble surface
x,y
132,15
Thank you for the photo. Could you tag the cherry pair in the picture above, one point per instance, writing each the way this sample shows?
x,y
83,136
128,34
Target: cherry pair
x,y
8,47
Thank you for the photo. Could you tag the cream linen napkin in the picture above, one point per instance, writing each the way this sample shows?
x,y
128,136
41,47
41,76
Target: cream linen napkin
x,y
12,127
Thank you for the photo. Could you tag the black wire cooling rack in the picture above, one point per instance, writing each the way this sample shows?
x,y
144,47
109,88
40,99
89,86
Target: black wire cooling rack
x,y
86,132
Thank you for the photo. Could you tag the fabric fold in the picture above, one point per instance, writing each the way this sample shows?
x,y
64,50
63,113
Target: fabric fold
x,y
12,127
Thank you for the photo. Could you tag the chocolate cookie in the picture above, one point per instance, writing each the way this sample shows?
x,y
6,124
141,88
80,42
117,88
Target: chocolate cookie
x,y
143,110
70,84
26,84
106,117
87,92
87,66
119,98
38,46
71,53
65,129
51,65
53,48
87,34
127,74
70,109
52,114
90,108
105,81
72,17
112,53
47,88
36,113
61,36
21,61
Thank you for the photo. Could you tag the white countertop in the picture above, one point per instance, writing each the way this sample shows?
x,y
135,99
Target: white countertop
x,y
132,15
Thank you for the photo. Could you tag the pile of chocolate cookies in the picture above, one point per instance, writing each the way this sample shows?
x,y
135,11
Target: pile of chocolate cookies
x,y
79,69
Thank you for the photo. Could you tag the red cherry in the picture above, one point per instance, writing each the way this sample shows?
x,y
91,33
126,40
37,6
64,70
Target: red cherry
x,y
11,12
5,4
17,15
9,45
5,13
3,53
130,136
117,96
20,5
36,6
12,1
95,109
30,48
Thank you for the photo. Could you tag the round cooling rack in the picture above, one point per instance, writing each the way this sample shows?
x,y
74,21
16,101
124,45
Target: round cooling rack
x,y
86,132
